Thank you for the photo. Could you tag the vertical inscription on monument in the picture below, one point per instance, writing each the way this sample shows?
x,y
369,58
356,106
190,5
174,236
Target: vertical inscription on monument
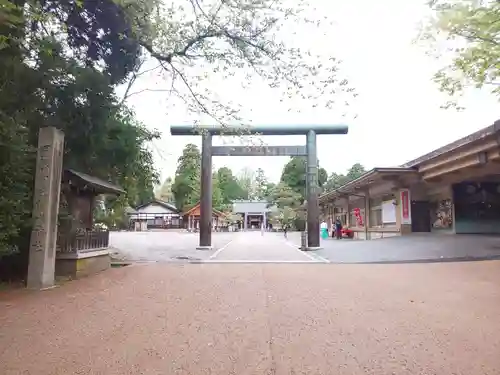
x,y
45,208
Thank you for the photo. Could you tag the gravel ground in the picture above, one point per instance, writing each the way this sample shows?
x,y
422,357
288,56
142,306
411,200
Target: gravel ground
x,y
313,318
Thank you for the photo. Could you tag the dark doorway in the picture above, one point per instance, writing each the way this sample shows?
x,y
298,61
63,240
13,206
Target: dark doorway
x,y
420,216
477,207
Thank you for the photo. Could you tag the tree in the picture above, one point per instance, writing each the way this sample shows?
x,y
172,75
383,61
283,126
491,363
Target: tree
x,y
101,138
229,186
356,171
164,193
471,30
294,175
335,180
62,82
284,216
284,196
260,184
96,34
217,198
288,203
246,180
236,39
186,186
268,191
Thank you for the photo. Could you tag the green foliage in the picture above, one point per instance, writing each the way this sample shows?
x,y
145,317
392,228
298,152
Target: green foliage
x,y
57,84
246,180
356,171
260,184
288,203
337,180
98,33
186,186
16,160
229,186
294,175
285,196
217,198
472,33
234,218
164,193
284,216
268,191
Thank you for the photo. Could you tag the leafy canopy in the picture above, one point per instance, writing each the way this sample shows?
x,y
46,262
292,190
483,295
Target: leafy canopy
x,y
186,186
336,180
230,188
294,175
59,80
471,31
241,40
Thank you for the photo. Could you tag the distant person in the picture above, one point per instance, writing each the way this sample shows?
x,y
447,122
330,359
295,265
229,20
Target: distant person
x,y
262,228
324,229
338,229
285,230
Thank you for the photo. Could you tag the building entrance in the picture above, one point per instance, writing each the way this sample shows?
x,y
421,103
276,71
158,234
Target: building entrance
x,y
420,216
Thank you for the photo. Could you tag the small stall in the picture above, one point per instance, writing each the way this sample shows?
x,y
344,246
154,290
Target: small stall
x,y
192,219
81,248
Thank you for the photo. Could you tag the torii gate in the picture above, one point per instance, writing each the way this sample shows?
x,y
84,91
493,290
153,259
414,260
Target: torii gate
x,y
309,150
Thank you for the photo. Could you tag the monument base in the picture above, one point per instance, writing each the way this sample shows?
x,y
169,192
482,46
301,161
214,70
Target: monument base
x,y
310,248
81,264
204,248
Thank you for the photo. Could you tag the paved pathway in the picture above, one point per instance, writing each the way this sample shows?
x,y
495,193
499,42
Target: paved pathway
x,y
164,246
279,319
410,248
168,246
261,247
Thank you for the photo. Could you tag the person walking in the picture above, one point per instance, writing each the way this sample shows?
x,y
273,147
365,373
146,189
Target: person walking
x,y
324,229
338,229
285,230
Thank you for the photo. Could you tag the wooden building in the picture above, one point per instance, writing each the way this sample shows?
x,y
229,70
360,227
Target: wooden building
x,y
192,219
81,248
156,214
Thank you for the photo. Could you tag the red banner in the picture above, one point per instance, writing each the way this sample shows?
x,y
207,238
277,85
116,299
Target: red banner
x,y
405,204
359,219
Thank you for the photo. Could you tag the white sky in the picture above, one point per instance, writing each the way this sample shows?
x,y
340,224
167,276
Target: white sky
x,y
398,107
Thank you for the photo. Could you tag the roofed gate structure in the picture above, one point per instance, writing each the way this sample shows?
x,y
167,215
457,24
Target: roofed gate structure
x,y
254,213
309,151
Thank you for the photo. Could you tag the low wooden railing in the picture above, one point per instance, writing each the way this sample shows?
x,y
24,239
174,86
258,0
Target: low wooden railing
x,y
82,241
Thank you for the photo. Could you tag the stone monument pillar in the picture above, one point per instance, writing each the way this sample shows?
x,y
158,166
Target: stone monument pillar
x,y
42,256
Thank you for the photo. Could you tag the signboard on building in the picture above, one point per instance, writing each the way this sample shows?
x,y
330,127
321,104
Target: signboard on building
x,y
405,206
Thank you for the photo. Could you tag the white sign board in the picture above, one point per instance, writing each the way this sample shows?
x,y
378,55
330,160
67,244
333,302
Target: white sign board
x,y
388,212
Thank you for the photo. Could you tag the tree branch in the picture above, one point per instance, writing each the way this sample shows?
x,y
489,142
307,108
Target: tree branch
x,y
133,79
182,53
